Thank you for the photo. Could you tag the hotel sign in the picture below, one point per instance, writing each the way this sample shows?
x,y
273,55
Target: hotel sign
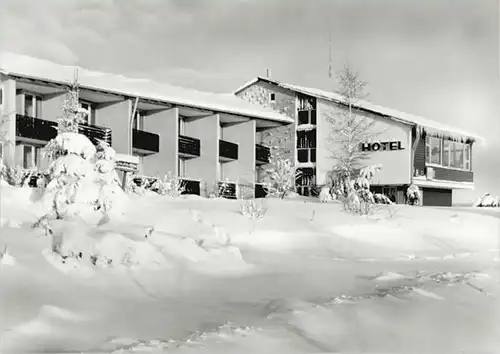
x,y
382,146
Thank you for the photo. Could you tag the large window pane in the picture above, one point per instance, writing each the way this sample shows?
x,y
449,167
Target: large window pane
x,y
28,105
446,152
88,108
38,110
467,157
28,156
434,150
303,155
457,156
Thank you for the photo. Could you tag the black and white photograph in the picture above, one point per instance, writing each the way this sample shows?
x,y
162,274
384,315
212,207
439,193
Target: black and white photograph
x,y
249,176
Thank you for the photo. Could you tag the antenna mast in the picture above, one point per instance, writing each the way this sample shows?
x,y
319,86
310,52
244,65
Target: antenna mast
x,y
330,74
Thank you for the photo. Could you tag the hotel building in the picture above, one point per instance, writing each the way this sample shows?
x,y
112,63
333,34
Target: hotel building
x,y
412,150
203,138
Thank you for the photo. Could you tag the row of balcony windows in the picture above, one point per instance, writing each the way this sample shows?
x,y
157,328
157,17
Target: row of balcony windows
x,y
43,130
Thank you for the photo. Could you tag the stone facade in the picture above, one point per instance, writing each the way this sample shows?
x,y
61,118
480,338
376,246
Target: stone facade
x,y
285,103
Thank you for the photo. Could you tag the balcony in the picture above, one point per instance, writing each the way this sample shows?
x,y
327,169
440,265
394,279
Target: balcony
x,y
145,142
189,147
95,133
260,190
227,151
262,154
30,128
190,186
227,190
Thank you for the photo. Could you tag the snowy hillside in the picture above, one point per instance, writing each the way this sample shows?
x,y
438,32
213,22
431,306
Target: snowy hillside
x,y
193,275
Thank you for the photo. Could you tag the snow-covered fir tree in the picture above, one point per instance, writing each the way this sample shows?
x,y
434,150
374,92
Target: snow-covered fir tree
x,y
81,176
280,174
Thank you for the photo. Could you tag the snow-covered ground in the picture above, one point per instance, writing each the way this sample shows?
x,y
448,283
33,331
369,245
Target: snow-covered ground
x,y
201,277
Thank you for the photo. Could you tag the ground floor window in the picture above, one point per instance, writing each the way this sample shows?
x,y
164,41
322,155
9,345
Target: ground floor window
x,y
305,181
30,156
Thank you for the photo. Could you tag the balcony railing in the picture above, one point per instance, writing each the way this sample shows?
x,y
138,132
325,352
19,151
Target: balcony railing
x,y
145,141
189,146
95,133
260,190
227,190
228,150
262,154
35,128
191,186
44,130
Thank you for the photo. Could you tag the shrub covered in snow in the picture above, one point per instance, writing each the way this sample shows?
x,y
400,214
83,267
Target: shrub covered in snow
x,y
413,195
254,209
355,194
487,200
325,194
170,185
381,199
281,176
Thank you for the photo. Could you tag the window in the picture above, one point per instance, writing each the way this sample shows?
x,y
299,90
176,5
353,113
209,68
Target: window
x,y
182,126
306,139
457,160
306,155
272,97
1,96
138,120
88,107
32,105
433,150
448,153
31,155
28,105
467,158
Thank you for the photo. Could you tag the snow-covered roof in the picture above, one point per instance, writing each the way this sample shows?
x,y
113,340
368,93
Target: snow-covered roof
x,y
430,126
35,68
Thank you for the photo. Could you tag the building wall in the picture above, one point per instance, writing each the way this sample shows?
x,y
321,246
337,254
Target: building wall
x,y
116,116
419,159
396,165
242,170
205,167
52,105
285,103
166,125
8,119
19,102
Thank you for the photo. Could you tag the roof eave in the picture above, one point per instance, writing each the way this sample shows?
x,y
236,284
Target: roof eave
x,y
173,102
450,133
